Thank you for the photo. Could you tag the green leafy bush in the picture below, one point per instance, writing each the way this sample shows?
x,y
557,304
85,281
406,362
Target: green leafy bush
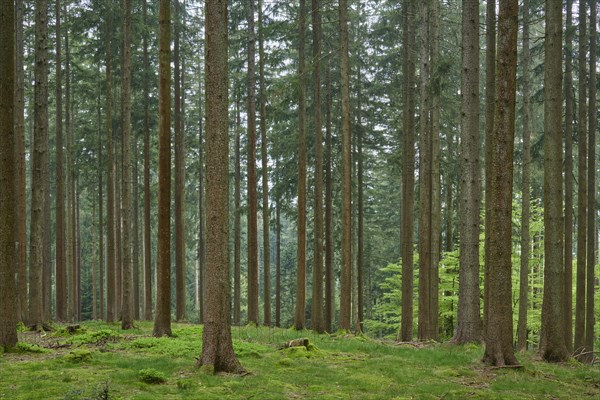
x,y
152,376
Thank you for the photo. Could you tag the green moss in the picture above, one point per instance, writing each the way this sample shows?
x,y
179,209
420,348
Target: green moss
x,y
24,347
79,356
151,376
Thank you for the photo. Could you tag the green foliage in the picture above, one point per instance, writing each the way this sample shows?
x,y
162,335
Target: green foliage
x,y
24,347
100,337
151,376
79,356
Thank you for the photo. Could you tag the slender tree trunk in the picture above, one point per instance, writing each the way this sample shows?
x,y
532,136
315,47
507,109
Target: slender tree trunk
x,y
490,98
449,245
100,206
591,170
47,266
317,283
217,348
20,165
147,227
499,341
265,171
252,195
94,281
569,178
135,231
237,280
118,226
61,272
78,252
425,181
127,271
468,318
278,265
301,223
179,177
526,188
162,321
201,208
582,191
8,179
329,273
408,176
39,164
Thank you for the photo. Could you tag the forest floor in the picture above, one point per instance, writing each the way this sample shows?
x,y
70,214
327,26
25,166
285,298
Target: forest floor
x,y
100,361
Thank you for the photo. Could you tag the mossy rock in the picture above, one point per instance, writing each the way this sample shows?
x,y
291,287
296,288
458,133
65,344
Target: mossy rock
x,y
151,376
79,356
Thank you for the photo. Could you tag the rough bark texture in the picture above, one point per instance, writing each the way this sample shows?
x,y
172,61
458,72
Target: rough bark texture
x,y
162,320
525,188
8,196
490,99
127,266
568,263
39,164
264,171
317,283
591,170
552,341
408,173
301,223
147,227
217,347
237,234
329,273
468,318
498,347
252,193
346,250
425,162
201,208
582,183
179,175
61,270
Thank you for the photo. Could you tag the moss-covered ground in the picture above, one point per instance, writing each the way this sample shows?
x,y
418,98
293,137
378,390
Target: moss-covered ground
x,y
99,361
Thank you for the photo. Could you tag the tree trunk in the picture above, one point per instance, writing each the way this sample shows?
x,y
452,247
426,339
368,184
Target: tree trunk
x,y
39,164
127,284
147,227
61,272
252,195
329,273
162,321
265,171
525,188
499,349
425,182
278,265
346,250
8,179
317,283
217,347
179,177
100,207
237,279
552,341
490,98
569,178
408,173
591,170
94,281
201,208
582,191
468,318
301,224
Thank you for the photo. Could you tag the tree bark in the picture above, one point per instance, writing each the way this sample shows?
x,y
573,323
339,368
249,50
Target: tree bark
x,y
8,179
329,273
201,208
408,173
101,268
162,321
468,318
217,347
301,223
237,239
499,349
278,265
147,227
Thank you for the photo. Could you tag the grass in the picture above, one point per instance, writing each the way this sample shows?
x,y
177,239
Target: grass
x,y
100,361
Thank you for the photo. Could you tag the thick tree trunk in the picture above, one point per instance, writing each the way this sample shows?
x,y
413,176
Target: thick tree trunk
x,y
317,282
162,321
499,348
217,348
346,250
301,223
552,341
468,318
525,188
147,227
8,180
39,164
408,176
265,172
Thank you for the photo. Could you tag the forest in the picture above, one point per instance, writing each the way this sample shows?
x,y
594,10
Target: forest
x,y
299,199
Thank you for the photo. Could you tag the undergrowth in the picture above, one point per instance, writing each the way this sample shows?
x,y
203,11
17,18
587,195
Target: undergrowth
x,y
100,361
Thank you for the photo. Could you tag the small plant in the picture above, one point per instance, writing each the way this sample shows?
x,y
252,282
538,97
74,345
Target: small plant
x,y
184,384
79,356
24,347
152,376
